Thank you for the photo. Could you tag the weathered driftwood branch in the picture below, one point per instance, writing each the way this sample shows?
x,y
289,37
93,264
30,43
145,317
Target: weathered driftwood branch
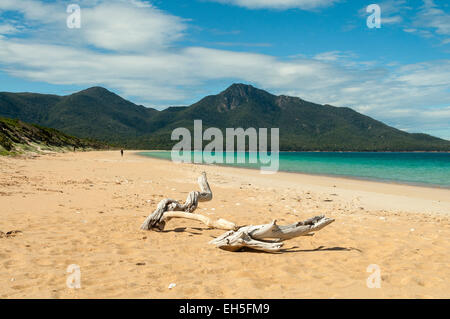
x,y
219,224
170,208
238,237
254,236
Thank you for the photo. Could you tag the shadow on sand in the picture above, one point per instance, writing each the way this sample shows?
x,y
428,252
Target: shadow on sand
x,y
295,250
250,250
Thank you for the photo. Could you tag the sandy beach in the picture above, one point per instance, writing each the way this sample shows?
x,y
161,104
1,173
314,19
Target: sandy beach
x,y
86,209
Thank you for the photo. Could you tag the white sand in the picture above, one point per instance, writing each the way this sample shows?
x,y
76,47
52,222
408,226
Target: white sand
x,y
86,209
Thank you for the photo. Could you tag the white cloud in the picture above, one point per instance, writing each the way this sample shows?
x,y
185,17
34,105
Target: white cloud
x,y
34,10
426,74
345,59
328,56
333,56
430,16
393,7
7,29
280,4
122,25
118,26
429,22
431,120
391,20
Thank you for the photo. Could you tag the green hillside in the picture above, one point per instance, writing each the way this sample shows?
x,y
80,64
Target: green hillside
x,y
304,126
18,137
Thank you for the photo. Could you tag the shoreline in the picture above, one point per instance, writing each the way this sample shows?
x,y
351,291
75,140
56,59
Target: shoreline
x,y
368,179
323,151
426,199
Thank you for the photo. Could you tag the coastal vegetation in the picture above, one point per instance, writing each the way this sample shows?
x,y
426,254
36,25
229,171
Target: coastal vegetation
x,y
18,137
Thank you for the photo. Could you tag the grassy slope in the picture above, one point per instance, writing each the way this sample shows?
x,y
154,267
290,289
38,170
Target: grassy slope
x,y
18,137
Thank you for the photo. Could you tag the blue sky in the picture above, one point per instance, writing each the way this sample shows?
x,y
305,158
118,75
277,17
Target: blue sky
x,y
166,52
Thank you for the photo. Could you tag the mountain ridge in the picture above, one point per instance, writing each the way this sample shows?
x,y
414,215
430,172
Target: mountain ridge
x,y
304,126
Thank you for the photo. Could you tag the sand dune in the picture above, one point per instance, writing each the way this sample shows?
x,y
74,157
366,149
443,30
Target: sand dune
x,y
86,209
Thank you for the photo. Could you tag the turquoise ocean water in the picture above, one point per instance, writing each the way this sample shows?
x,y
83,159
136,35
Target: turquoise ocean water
x,y
431,169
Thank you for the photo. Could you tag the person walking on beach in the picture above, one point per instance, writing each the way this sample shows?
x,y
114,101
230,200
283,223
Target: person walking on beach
x,y
121,153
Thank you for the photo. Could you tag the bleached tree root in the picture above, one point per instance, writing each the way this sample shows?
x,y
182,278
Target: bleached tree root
x,y
219,224
254,236
170,208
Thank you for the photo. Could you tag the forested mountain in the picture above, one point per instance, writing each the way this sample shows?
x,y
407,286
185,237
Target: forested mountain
x,y
100,114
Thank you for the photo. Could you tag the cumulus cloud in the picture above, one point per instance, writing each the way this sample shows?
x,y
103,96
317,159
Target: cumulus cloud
x,y
121,25
118,26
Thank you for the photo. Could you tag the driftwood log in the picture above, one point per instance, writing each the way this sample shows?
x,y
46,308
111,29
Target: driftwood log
x,y
170,208
255,237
